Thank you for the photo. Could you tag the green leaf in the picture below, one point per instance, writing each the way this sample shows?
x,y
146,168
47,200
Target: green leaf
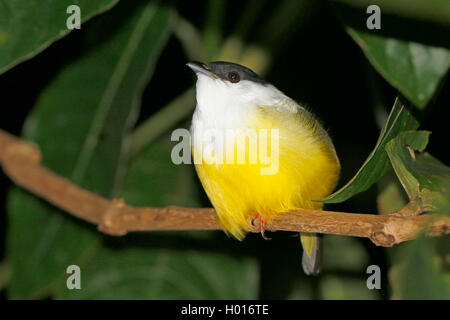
x,y
377,164
391,196
418,273
79,122
411,54
28,27
151,273
425,179
415,69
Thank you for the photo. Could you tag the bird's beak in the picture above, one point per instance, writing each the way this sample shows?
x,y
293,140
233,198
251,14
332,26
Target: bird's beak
x,y
199,67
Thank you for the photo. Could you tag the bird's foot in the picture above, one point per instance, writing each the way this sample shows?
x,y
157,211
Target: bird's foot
x,y
262,225
254,218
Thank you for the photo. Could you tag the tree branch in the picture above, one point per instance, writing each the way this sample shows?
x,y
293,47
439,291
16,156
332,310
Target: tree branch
x,y
21,162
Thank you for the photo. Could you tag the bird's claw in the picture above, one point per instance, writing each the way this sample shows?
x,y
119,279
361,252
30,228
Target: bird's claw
x,y
263,229
262,226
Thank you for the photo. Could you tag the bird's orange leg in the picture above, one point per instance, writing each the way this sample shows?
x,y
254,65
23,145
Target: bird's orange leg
x,y
255,216
262,225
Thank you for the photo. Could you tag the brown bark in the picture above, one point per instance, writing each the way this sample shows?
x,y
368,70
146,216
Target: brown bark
x,y
21,162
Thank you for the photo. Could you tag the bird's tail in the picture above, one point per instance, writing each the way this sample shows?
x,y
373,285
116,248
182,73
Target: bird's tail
x,y
312,253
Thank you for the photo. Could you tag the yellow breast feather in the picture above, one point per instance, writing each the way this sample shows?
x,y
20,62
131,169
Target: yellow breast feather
x,y
308,169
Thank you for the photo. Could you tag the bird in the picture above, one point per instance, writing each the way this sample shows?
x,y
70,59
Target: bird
x,y
234,104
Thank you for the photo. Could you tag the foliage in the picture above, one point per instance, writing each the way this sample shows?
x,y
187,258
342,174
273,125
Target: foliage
x,y
86,122
28,27
377,164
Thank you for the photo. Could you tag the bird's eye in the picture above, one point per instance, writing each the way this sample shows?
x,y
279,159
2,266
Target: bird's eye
x,y
234,77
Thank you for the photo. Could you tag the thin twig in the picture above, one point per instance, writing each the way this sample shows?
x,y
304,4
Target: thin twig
x,y
21,162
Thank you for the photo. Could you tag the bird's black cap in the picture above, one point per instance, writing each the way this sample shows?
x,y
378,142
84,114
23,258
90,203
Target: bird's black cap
x,y
222,69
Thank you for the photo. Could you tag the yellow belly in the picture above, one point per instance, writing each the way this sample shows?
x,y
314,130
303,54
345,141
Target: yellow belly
x,y
308,169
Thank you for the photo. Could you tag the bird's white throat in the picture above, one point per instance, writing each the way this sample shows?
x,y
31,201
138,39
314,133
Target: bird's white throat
x,y
225,105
